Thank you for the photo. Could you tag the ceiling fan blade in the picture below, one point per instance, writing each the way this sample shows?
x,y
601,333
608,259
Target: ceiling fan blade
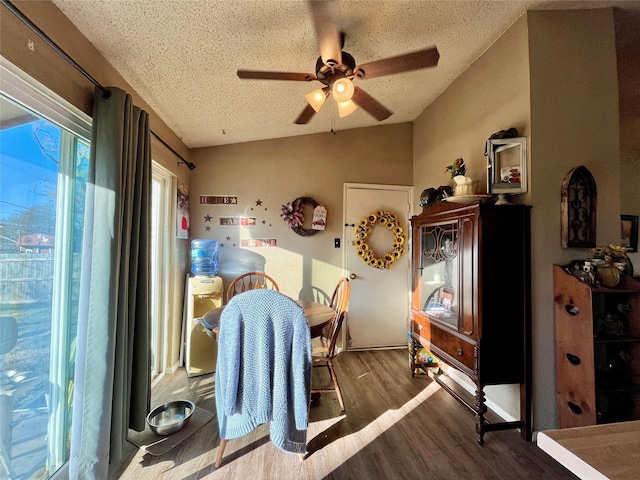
x,y
305,116
402,63
370,105
259,75
327,32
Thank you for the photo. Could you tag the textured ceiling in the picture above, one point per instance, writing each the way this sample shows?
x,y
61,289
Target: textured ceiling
x,y
181,56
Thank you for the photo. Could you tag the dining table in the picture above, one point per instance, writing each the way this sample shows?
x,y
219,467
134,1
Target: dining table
x,y
318,316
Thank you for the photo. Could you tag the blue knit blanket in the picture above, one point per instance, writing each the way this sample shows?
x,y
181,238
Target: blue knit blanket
x,y
263,372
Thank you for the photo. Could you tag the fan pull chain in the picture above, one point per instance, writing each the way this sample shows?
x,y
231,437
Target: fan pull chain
x,y
333,121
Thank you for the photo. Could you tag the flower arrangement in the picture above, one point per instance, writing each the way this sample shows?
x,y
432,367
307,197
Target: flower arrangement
x,y
456,168
613,255
610,262
292,213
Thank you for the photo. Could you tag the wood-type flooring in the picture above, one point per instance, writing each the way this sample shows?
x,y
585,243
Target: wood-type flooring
x,y
395,427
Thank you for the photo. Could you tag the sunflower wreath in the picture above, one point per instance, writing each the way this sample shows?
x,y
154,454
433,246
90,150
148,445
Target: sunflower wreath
x,y
293,214
362,230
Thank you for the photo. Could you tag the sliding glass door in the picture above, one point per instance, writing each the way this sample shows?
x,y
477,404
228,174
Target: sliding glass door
x,y
44,158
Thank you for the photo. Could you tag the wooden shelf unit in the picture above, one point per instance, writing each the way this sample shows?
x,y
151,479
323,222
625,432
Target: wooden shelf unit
x,y
597,350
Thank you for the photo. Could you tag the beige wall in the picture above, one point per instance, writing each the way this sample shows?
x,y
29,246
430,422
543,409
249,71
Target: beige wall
x,y
492,95
628,46
574,121
552,75
279,171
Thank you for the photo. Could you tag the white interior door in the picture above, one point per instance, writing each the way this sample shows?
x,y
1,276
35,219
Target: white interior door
x,y
379,303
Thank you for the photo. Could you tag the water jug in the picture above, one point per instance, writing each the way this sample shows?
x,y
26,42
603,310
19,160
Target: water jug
x,y
204,257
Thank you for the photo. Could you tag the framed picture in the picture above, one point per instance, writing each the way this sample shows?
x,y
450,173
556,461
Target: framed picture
x,y
447,298
629,232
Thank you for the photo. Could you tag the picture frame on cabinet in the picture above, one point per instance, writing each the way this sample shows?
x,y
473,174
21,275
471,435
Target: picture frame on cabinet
x,y
507,168
447,298
629,232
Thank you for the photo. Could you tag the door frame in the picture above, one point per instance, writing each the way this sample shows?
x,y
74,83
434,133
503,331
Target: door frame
x,y
347,242
165,244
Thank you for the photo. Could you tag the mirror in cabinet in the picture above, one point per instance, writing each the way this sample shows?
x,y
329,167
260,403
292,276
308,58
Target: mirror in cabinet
x,y
439,267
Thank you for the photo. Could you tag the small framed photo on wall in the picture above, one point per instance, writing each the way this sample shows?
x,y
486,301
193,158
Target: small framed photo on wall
x,y
629,232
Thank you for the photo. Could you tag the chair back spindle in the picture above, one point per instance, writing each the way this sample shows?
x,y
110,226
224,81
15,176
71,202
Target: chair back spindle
x,y
250,281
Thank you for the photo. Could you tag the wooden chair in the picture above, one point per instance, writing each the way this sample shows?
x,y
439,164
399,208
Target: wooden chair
x,y
323,354
250,281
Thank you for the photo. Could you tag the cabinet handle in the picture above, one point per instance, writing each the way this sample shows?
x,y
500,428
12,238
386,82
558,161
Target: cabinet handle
x,y
572,310
574,408
573,359
459,351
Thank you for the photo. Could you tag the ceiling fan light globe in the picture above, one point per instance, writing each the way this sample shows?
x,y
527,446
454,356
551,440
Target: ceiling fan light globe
x,y
342,90
346,108
316,99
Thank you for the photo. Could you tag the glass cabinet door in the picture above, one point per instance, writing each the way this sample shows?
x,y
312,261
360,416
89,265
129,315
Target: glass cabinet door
x,y
440,271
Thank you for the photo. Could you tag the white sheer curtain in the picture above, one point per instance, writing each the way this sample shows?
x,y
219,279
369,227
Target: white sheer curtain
x,y
113,364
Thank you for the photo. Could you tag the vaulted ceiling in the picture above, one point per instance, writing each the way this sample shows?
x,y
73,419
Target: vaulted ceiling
x,y
182,56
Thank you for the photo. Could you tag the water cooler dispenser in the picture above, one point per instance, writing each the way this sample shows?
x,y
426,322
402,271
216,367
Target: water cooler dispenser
x,y
204,292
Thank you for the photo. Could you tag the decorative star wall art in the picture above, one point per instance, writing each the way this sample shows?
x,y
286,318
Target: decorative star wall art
x,y
258,203
255,214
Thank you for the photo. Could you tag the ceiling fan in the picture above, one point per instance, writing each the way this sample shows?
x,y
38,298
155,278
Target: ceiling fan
x,y
336,69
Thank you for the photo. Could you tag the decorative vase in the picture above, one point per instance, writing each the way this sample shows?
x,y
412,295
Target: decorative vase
x,y
608,275
464,186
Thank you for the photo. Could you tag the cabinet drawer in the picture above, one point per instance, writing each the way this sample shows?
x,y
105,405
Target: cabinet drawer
x,y
452,349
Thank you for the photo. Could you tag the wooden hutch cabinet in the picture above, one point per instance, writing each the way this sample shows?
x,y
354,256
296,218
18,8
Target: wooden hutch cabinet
x,y
471,299
597,350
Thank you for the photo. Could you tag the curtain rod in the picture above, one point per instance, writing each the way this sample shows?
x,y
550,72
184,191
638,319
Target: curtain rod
x,y
105,91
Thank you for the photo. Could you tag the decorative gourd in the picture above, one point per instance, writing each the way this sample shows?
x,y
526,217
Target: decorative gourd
x,y
608,275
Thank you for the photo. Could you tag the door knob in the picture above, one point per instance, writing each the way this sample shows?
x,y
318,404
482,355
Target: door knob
x,y
353,276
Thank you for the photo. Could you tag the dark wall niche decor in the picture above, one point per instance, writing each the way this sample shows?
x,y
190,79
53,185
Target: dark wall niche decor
x,y
579,200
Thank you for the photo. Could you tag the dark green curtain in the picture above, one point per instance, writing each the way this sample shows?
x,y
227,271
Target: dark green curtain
x,y
113,366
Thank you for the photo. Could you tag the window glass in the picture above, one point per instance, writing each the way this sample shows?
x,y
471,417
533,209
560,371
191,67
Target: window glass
x,y
43,173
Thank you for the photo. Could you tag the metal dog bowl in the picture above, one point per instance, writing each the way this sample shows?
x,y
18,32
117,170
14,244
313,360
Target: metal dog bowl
x,y
170,417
